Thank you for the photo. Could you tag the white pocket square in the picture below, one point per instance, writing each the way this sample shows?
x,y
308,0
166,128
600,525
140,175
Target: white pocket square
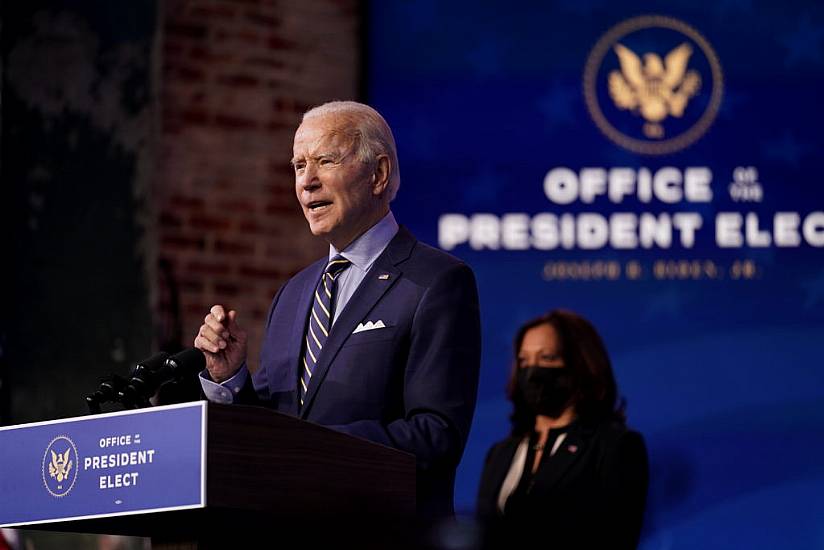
x,y
369,325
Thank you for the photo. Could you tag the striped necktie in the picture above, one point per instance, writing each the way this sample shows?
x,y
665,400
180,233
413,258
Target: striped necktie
x,y
320,320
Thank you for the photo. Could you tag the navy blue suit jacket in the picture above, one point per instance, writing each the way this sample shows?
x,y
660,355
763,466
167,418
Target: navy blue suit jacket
x,y
411,385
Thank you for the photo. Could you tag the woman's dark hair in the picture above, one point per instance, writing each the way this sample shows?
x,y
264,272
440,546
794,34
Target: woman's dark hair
x,y
596,395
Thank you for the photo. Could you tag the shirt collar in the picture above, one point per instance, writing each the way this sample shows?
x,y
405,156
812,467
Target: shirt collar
x,y
364,250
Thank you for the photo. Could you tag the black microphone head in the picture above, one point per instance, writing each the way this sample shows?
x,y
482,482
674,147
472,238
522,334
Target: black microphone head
x,y
127,396
110,386
108,390
143,386
188,362
93,402
151,364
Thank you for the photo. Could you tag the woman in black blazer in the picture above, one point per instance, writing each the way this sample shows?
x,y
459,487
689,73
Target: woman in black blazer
x,y
570,475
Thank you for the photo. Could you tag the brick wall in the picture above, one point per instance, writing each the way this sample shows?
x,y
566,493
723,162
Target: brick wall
x,y
235,78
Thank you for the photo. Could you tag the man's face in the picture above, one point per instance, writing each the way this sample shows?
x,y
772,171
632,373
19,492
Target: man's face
x,y
334,188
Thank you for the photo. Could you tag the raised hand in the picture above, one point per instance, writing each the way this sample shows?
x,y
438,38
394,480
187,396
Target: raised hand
x,y
222,342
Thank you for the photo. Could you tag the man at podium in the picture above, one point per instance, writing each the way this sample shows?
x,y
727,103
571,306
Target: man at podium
x,y
381,338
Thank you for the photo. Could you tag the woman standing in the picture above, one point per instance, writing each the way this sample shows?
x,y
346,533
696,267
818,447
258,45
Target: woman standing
x,y
570,475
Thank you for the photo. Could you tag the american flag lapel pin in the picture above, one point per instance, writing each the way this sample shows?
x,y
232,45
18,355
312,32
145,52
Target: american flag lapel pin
x,y
383,276
572,449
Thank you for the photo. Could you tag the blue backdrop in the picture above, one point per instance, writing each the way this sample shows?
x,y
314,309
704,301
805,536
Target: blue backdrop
x,y
705,279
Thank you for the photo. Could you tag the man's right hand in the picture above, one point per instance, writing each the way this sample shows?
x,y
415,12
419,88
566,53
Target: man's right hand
x,y
222,342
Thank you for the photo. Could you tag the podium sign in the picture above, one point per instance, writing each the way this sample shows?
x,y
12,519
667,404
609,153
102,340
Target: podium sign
x,y
122,463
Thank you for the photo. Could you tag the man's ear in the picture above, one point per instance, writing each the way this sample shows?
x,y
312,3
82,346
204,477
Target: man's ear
x,y
380,177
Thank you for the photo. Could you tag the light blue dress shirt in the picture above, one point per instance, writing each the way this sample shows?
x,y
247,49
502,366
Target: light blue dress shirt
x,y
362,252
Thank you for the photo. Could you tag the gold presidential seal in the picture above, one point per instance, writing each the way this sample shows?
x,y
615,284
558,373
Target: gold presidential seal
x,y
653,84
59,466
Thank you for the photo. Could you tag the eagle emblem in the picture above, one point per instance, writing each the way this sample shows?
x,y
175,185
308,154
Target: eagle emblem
x,y
60,465
656,89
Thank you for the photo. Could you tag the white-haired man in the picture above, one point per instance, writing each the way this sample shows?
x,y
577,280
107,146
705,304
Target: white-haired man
x,y
381,339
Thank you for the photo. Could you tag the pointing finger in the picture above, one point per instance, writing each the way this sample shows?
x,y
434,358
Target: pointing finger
x,y
218,312
232,320
235,330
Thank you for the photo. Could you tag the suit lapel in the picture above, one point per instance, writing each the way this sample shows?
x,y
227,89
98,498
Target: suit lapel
x,y
366,296
370,291
571,448
499,469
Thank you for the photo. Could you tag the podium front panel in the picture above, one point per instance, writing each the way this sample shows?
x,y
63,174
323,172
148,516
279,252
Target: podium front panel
x,y
114,464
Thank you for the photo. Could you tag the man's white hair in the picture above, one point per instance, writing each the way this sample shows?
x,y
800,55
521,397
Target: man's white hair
x,y
371,133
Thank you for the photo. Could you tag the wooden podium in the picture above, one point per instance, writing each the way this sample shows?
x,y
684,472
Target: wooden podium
x,y
272,479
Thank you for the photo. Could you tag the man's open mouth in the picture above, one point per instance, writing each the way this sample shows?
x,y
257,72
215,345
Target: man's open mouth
x,y
315,206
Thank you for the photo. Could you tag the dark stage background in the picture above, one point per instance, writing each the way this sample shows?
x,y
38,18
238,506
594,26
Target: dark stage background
x,y
145,177
716,344
78,127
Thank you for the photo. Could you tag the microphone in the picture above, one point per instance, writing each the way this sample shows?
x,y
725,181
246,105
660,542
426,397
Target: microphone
x,y
188,362
108,391
142,382
152,373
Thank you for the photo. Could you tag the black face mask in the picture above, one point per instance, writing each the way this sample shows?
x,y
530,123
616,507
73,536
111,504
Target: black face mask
x,y
546,391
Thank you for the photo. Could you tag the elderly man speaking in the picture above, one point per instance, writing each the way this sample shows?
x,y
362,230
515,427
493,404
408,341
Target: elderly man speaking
x,y
381,339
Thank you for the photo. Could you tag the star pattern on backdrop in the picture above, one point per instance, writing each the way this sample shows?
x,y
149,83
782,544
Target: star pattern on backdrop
x,y
804,44
484,189
421,15
583,7
785,149
424,140
815,290
732,102
614,155
559,105
667,304
725,8
486,59
763,257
